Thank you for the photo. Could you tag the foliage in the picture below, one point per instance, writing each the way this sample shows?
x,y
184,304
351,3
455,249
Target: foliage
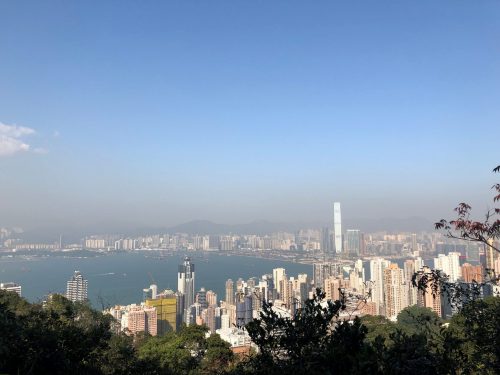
x,y
61,337
464,228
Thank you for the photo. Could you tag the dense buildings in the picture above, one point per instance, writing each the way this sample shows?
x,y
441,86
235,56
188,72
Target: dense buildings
x,y
76,288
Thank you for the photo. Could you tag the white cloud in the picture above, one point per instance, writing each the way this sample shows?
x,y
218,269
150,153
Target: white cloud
x,y
11,139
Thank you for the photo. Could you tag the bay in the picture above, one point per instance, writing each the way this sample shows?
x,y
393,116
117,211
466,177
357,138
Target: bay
x,y
119,278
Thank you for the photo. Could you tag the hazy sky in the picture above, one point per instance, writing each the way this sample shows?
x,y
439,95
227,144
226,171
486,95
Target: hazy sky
x,y
159,112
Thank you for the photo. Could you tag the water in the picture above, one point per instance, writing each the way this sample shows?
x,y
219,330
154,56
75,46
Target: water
x,y
120,277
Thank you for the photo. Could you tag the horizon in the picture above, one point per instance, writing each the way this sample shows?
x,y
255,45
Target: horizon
x,y
159,114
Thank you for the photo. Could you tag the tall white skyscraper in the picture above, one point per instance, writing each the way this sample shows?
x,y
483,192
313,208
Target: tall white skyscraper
x,y
76,288
185,285
337,228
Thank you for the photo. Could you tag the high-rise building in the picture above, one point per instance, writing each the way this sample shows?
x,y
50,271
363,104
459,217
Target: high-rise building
x,y
201,298
230,292
472,273
211,298
185,285
333,286
491,255
141,319
353,242
279,274
414,244
165,304
396,291
410,267
377,268
337,228
323,270
76,288
11,287
326,240
449,264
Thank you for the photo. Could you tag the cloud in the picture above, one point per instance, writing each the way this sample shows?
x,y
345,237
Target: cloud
x,y
11,139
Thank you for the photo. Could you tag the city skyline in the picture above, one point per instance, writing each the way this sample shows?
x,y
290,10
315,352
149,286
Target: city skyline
x,y
155,115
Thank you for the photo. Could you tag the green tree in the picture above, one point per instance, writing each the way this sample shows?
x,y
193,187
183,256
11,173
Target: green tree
x,y
312,341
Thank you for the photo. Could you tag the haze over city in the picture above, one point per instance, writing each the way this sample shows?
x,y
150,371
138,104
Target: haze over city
x,y
117,116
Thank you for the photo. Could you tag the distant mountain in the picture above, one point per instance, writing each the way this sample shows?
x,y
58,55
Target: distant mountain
x,y
206,227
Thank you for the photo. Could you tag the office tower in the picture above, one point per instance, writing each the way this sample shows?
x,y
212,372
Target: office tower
x,y
377,267
166,311
142,319
185,284
449,264
76,288
353,242
472,273
240,311
201,298
11,287
425,298
230,292
326,240
396,292
337,228
279,274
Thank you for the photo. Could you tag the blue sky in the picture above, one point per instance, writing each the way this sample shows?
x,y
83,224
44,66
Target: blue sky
x,y
155,113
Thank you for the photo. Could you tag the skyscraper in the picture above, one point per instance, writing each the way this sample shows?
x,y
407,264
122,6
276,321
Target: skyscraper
x,y
353,242
396,291
229,292
449,264
279,274
337,228
325,240
76,288
185,285
377,268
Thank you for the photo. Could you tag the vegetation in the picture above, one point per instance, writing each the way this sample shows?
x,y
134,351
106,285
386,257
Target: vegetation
x,y
63,337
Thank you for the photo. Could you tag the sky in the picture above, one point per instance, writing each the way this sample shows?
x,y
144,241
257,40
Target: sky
x,y
119,114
